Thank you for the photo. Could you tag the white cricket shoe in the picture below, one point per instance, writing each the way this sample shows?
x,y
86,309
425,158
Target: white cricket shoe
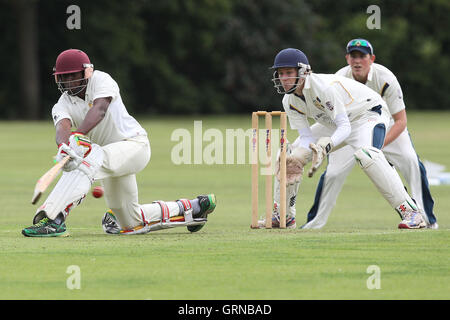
x,y
412,220
433,226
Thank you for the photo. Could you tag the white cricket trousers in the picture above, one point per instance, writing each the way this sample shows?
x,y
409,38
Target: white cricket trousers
x,y
400,153
368,130
122,160
403,156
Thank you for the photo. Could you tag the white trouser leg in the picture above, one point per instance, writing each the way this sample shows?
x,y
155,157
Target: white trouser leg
x,y
340,164
385,178
402,155
122,160
121,196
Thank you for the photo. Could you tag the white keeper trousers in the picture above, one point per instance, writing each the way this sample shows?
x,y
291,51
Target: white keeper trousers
x,y
400,153
403,156
367,130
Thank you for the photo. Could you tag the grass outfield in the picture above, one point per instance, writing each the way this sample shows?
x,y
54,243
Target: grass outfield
x,y
226,259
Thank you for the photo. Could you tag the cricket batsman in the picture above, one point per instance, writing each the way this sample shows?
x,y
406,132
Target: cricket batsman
x,y
347,114
398,147
104,143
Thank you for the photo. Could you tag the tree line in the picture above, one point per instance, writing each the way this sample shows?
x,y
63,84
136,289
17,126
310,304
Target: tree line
x,y
213,56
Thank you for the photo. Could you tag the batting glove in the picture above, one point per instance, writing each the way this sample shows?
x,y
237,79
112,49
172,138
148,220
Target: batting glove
x,y
75,159
80,144
320,150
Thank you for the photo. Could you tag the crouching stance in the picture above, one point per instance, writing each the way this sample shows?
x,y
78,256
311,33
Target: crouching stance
x,y
109,146
348,115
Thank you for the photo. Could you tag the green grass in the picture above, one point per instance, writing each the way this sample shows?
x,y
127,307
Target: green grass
x,y
226,259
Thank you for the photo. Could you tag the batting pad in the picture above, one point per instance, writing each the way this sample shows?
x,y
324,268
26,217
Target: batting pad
x,y
291,195
159,211
383,176
71,188
165,215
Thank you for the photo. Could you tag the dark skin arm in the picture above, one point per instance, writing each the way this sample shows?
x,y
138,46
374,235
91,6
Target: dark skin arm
x,y
63,131
93,117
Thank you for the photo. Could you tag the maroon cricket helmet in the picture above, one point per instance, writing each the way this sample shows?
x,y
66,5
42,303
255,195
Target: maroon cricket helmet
x,y
70,61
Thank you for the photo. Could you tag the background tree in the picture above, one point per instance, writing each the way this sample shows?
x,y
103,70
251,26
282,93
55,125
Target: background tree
x,y
202,56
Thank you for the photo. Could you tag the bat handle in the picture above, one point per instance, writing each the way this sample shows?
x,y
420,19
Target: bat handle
x,y
65,159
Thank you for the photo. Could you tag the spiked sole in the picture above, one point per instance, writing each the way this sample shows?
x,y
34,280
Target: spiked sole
x,y
405,226
212,201
212,206
34,235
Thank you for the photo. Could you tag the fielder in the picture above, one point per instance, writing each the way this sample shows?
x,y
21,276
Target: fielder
x,y
347,114
107,145
397,148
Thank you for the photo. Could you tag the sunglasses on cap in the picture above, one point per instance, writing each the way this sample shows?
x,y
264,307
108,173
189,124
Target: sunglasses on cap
x,y
361,45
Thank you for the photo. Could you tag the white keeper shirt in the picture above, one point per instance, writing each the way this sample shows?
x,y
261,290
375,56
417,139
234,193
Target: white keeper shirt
x,y
117,125
383,81
327,95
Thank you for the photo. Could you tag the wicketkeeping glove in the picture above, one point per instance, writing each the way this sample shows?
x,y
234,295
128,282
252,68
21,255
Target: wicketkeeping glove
x,y
320,150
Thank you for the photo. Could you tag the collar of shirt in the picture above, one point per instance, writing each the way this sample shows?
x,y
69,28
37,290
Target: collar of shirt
x,y
75,99
369,75
307,82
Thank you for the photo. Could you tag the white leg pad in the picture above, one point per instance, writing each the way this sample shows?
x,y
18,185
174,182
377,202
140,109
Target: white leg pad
x,y
162,215
71,188
291,196
159,211
173,224
384,177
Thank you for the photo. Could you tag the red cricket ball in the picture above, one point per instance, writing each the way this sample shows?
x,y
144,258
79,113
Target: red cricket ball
x,y
97,192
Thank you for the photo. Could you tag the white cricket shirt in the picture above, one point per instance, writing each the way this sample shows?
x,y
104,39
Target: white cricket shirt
x,y
383,81
117,124
327,95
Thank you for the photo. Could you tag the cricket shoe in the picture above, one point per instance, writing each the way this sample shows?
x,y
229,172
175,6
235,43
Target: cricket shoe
x,y
433,226
46,228
110,224
207,205
290,222
412,220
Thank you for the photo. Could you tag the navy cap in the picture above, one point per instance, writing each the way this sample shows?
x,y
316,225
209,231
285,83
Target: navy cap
x,y
361,45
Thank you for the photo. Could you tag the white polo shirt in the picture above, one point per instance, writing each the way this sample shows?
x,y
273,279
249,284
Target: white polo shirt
x,y
117,124
327,95
383,81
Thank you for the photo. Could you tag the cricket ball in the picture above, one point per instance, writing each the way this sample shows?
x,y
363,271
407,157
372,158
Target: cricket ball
x,y
97,192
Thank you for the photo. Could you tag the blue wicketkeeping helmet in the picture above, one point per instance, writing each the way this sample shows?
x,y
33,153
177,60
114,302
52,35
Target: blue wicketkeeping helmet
x,y
290,58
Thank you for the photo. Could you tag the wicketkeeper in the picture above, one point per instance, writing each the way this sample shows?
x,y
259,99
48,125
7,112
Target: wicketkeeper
x,y
398,147
347,114
104,143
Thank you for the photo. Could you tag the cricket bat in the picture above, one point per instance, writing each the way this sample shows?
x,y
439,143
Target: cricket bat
x,y
44,181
